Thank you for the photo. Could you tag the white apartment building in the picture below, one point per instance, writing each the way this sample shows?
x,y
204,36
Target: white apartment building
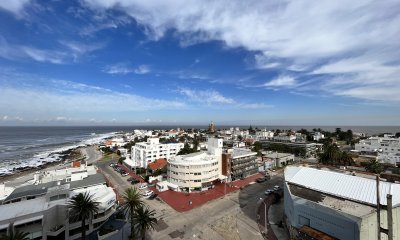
x,y
196,171
68,174
318,136
264,134
391,158
41,210
386,145
146,152
285,138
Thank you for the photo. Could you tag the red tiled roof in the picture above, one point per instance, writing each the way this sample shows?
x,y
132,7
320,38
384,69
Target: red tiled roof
x,y
158,164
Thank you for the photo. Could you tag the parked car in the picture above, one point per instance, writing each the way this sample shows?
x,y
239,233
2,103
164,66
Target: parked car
x,y
148,193
112,164
276,188
130,179
268,191
260,180
134,181
143,186
154,195
124,173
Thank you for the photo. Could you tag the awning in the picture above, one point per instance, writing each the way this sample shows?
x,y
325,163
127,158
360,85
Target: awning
x,y
27,220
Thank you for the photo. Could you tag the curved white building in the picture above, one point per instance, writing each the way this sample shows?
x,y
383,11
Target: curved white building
x,y
197,171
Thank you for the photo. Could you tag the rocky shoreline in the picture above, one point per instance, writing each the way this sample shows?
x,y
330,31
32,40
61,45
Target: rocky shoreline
x,y
64,157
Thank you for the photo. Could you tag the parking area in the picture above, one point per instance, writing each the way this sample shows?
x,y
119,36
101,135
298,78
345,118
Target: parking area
x,y
182,202
221,213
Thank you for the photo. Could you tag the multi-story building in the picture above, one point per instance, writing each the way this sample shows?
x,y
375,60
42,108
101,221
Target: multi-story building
x,y
41,210
275,159
238,163
386,144
337,206
391,158
196,171
318,136
310,149
147,152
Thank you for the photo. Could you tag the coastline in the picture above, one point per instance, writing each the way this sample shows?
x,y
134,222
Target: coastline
x,y
43,158
66,158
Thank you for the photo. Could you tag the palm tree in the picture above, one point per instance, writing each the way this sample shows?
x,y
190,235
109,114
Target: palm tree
x,y
17,235
83,207
132,201
331,155
346,158
145,220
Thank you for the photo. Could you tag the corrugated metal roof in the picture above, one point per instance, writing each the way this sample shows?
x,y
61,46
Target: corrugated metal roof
x,y
341,185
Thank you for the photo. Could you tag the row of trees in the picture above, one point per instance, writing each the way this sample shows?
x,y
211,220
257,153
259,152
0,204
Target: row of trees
x,y
187,149
277,147
83,207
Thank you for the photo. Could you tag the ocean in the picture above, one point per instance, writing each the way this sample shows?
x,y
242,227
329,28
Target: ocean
x,y
35,146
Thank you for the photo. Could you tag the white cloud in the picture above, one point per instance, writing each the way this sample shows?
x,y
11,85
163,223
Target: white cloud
x,y
281,81
214,98
206,96
71,50
49,98
292,35
14,6
142,69
124,68
118,68
77,48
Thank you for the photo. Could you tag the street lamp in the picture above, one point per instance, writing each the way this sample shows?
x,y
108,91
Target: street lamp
x,y
265,214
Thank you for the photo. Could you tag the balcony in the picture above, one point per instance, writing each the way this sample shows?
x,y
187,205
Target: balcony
x,y
56,230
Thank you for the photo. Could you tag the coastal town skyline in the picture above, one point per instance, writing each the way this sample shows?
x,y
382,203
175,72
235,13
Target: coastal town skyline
x,y
97,62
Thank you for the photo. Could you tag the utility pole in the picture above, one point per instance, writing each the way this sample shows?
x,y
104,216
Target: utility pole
x,y
378,207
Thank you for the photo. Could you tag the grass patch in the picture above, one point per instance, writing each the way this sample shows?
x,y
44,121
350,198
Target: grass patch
x,y
109,156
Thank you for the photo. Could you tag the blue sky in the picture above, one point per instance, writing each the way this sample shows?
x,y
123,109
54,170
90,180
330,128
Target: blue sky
x,y
118,62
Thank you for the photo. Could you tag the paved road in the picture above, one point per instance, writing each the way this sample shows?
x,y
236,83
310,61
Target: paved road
x,y
92,154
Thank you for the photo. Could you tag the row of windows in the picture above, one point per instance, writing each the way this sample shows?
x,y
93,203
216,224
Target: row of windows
x,y
194,166
194,180
194,173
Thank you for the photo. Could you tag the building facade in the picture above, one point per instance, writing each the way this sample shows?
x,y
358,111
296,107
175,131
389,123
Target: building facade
x,y
337,205
238,163
310,149
147,152
276,159
196,171
386,144
42,210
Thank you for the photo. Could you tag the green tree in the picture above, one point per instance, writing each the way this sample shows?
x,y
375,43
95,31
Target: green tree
x,y
83,207
331,155
145,220
121,160
14,235
346,159
186,150
132,201
374,166
257,147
